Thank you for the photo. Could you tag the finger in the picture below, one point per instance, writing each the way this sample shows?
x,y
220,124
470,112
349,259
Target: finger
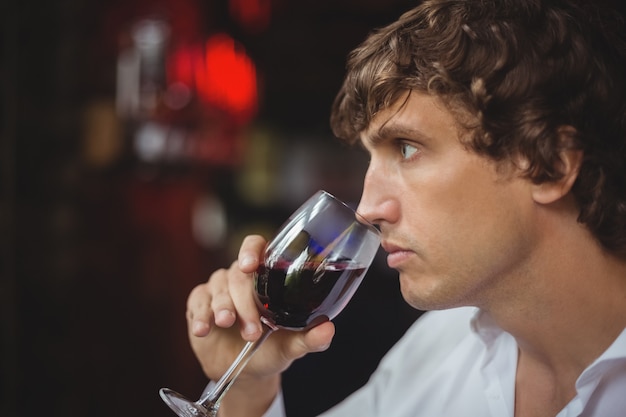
x,y
241,288
241,285
199,313
317,339
250,253
223,307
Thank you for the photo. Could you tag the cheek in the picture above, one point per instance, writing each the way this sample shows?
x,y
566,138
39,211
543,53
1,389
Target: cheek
x,y
473,227
463,262
471,201
488,234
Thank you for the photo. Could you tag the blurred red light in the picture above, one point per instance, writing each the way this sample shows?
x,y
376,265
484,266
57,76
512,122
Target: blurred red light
x,y
222,75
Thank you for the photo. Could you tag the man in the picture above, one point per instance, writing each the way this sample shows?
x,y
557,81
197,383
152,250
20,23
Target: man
x,y
497,136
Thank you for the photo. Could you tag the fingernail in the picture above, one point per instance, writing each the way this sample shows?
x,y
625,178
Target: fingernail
x,y
198,327
247,261
322,348
224,316
251,329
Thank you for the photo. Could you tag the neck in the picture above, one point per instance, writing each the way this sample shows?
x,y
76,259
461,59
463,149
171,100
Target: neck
x,y
566,317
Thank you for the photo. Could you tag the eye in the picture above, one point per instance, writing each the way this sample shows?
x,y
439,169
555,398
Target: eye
x,y
407,150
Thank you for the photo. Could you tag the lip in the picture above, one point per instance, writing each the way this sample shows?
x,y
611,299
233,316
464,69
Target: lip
x,y
397,255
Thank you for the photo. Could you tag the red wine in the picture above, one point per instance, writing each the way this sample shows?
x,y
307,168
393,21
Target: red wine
x,y
297,297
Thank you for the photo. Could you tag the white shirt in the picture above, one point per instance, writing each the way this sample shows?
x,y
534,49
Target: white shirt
x,y
458,363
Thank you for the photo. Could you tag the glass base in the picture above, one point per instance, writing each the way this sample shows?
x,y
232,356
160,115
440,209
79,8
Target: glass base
x,y
182,406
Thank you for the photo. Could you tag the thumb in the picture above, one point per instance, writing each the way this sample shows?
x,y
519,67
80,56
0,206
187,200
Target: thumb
x,y
317,339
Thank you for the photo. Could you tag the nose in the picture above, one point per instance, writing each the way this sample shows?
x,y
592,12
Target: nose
x,y
379,203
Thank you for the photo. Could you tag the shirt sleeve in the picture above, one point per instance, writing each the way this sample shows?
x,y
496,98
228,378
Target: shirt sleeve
x,y
277,409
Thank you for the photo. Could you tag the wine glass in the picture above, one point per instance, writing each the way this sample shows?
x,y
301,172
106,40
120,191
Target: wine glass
x,y
309,272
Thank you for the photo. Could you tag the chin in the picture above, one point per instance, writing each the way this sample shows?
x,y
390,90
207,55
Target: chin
x,y
426,297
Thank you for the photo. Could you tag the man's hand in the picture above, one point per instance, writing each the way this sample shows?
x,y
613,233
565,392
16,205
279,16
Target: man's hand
x,y
222,315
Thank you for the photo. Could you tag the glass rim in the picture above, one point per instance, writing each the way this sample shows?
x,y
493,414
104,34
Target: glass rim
x,y
360,219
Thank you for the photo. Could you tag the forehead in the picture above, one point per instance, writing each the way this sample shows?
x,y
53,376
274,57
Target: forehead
x,y
415,115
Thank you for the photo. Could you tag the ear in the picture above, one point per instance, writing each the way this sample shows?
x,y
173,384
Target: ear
x,y
570,160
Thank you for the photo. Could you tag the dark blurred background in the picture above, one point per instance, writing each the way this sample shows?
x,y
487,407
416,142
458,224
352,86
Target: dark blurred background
x,y
140,140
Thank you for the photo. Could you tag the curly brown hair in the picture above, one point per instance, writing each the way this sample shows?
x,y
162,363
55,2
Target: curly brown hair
x,y
521,70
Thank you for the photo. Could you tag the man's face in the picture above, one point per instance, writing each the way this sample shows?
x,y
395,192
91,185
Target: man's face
x,y
458,229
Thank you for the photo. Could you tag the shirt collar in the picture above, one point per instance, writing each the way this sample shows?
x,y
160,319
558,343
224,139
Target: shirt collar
x,y
483,325
588,383
594,372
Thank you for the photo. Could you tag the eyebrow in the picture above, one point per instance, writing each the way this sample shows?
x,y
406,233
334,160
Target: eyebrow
x,y
392,130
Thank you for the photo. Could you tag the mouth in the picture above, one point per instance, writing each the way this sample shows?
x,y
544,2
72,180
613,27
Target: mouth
x,y
390,247
396,255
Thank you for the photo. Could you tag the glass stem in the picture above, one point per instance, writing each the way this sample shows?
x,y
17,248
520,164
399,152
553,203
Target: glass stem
x,y
211,401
